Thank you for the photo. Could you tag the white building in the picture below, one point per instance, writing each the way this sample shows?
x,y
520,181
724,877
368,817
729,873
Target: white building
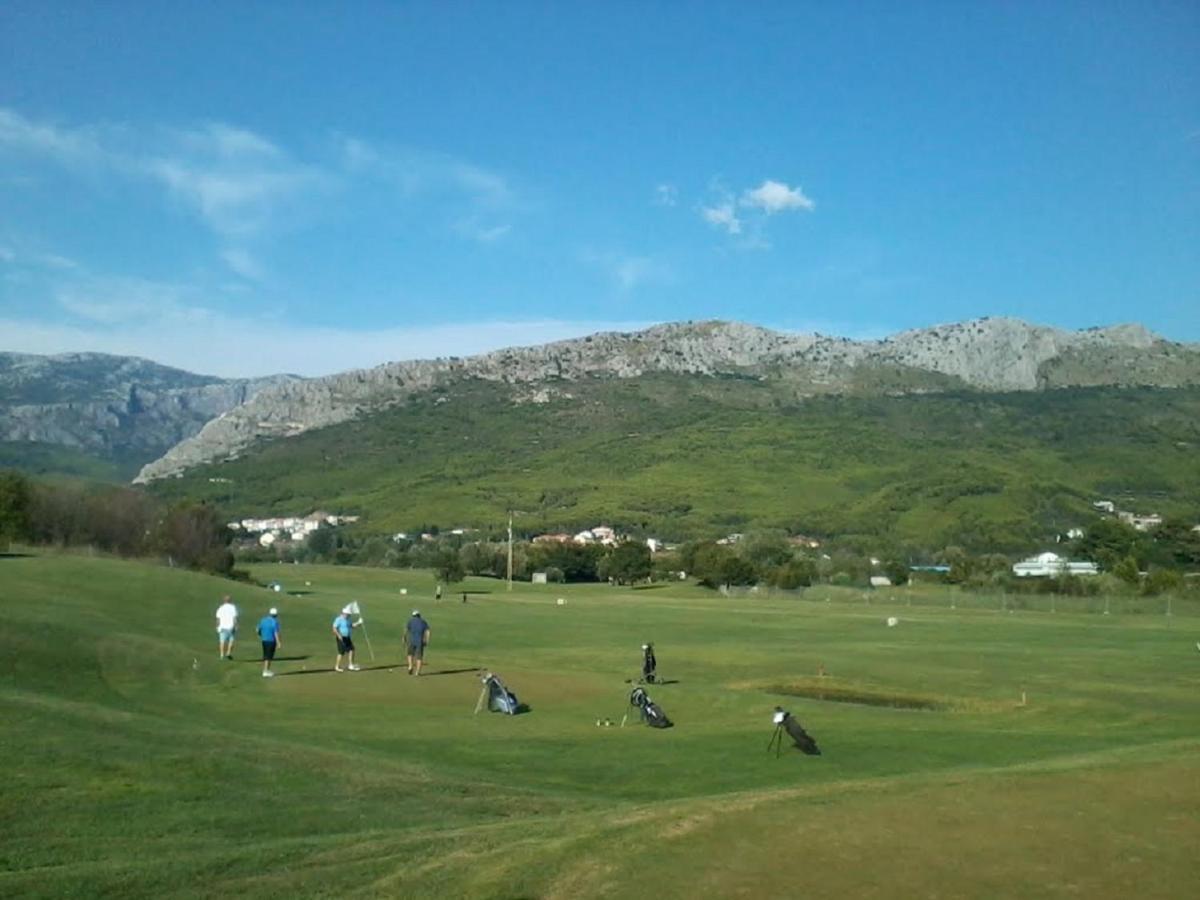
x,y
1046,564
1141,523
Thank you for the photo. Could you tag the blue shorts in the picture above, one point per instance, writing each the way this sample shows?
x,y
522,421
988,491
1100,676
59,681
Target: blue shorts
x,y
226,634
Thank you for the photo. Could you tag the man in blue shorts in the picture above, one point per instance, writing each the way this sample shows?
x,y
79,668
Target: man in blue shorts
x,y
272,639
418,636
343,629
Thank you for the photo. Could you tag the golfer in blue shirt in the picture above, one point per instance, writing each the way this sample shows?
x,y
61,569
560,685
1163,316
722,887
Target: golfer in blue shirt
x,y
343,629
271,636
418,636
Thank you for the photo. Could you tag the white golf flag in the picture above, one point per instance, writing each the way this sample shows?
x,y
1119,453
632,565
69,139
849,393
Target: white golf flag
x,y
352,608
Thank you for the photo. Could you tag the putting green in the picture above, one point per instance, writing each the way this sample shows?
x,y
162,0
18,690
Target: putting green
x,y
1055,755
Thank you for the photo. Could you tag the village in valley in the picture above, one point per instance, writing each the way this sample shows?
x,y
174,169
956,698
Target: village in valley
x,y
283,533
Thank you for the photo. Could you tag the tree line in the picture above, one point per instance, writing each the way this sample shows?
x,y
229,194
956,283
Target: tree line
x,y
113,519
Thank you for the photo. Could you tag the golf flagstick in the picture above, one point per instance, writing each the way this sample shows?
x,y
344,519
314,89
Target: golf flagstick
x,y
370,649
354,608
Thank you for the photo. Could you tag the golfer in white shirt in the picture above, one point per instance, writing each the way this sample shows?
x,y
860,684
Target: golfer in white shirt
x,y
227,617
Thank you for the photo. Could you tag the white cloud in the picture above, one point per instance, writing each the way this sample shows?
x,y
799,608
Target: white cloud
x,y
724,216
775,196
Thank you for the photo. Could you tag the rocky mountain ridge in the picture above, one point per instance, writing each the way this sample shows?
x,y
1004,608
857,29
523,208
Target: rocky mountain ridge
x,y
994,354
112,406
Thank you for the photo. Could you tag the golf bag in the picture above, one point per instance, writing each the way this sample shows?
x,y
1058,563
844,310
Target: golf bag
x,y
801,738
651,713
499,698
649,664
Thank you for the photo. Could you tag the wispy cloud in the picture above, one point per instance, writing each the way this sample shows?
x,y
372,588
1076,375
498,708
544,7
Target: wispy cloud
x,y
237,181
473,201
666,195
629,271
233,179
242,262
723,215
67,146
415,171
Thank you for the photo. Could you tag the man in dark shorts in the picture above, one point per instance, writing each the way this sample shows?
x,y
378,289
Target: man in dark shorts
x,y
418,636
271,636
343,629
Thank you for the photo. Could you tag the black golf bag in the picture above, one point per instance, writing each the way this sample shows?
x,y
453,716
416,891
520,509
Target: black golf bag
x,y
651,713
801,738
501,699
649,664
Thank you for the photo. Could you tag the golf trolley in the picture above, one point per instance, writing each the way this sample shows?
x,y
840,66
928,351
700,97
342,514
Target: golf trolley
x,y
649,665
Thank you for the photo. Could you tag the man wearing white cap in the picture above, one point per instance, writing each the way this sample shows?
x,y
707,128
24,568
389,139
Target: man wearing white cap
x,y
418,636
272,638
343,629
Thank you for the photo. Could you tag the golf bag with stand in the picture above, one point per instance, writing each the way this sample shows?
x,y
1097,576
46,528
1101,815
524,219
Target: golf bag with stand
x,y
499,698
651,713
785,721
649,664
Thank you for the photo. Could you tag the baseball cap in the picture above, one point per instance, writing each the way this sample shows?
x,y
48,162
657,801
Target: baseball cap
x,y
346,610
416,612
273,612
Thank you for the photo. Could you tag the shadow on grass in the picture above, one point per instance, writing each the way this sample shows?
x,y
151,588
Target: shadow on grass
x,y
257,659
15,555
650,587
378,668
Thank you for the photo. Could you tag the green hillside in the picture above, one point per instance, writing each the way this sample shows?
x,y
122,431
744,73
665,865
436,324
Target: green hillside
x,y
55,460
683,457
138,764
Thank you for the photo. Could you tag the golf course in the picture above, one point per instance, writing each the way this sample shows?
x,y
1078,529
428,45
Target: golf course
x,y
966,750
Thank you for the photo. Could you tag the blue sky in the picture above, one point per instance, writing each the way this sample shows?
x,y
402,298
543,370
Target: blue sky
x,y
245,188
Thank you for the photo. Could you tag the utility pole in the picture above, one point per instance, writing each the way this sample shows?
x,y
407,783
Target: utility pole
x,y
510,549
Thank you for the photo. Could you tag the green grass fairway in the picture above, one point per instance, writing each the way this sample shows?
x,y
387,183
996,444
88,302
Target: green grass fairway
x,y
137,764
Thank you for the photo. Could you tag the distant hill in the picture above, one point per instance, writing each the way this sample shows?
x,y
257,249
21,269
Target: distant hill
x,y
679,456
982,355
995,434
102,416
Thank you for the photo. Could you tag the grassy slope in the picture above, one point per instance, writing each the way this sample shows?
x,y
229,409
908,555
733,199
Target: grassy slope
x,y
137,764
995,471
55,461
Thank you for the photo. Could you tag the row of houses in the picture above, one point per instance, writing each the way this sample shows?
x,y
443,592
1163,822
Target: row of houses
x,y
294,528
1140,522
1052,565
